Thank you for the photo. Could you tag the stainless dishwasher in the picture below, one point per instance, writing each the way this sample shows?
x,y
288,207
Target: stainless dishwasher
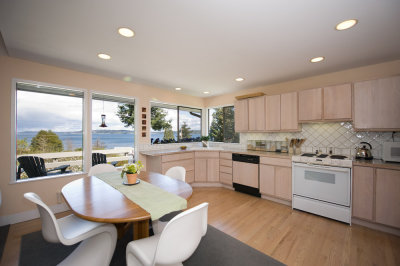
x,y
245,173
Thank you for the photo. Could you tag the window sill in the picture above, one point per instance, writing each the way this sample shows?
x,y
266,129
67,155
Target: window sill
x,y
47,177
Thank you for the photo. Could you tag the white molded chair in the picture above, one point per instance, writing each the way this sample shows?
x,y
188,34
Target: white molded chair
x,y
175,244
98,239
177,172
101,168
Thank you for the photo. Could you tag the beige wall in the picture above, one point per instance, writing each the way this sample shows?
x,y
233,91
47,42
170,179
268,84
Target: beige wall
x,y
386,69
12,194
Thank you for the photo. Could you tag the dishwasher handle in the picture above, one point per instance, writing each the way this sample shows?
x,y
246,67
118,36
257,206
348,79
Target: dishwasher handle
x,y
245,158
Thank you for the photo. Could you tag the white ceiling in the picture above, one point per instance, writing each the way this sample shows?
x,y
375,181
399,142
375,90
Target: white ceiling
x,y
202,45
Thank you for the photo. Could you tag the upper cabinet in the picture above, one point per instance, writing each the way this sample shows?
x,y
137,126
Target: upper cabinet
x,y
256,113
289,112
377,104
273,112
242,115
326,104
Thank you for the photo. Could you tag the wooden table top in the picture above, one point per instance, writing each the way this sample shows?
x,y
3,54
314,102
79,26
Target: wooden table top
x,y
92,199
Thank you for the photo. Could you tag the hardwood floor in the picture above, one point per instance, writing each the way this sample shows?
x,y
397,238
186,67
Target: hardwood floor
x,y
292,237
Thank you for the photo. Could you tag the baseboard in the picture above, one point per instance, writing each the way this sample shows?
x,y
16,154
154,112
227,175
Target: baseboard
x,y
29,215
378,227
288,203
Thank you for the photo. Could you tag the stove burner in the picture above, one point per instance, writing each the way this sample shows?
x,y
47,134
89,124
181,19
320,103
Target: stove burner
x,y
340,157
308,155
322,156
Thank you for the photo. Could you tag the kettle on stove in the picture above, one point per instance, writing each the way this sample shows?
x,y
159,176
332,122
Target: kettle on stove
x,y
364,152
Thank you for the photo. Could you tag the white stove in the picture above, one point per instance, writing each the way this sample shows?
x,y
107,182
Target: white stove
x,y
323,159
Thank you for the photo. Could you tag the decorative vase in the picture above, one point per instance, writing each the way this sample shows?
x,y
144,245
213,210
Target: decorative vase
x,y
131,178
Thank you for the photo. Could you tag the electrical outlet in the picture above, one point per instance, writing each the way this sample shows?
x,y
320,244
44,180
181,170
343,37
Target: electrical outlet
x,y
59,198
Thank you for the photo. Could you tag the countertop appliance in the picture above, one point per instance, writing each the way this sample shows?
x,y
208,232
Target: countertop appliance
x,y
321,184
391,151
246,173
363,152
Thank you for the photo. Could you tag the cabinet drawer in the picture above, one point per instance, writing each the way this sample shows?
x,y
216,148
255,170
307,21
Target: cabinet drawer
x,y
177,157
276,161
225,169
225,155
189,176
225,178
223,162
206,154
187,164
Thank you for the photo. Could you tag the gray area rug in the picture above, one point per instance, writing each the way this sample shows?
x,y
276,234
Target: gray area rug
x,y
3,238
216,248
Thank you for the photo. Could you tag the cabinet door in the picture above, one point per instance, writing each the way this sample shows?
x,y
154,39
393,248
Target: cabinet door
x,y
273,112
283,182
213,170
388,197
200,170
257,113
377,104
289,112
337,102
310,105
241,116
267,179
363,192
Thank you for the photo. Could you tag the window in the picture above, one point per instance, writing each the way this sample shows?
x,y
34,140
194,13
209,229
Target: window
x,y
221,125
171,124
49,130
113,124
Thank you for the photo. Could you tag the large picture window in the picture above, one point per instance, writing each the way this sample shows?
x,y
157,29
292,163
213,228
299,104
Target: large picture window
x,y
49,126
221,126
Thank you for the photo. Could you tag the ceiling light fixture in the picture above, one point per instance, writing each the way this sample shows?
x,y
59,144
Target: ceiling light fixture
x,y
239,79
347,24
104,56
126,32
206,92
178,89
317,59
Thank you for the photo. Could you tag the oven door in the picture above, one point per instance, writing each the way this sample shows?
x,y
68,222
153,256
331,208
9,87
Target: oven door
x,y
326,183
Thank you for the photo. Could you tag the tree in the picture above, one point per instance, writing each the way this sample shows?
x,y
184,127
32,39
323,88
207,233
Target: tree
x,y
186,133
46,141
223,125
217,125
126,113
22,146
168,133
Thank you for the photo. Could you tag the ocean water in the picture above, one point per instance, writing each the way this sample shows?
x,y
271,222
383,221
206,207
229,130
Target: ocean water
x,y
73,140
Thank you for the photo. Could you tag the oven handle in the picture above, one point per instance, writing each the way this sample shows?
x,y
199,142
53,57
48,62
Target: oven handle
x,y
323,167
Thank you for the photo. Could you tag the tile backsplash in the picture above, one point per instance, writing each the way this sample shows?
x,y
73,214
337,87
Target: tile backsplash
x,y
323,136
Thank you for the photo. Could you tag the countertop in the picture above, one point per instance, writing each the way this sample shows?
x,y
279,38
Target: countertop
x,y
376,163
243,151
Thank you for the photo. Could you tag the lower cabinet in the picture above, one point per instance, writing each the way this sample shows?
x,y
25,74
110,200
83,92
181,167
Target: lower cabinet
x,y
206,167
363,192
276,181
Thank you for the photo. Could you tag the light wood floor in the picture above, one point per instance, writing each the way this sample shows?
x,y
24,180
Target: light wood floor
x,y
292,237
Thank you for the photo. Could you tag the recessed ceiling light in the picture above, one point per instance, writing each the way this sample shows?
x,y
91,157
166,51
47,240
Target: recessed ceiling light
x,y
347,24
317,59
178,89
104,56
127,79
239,79
126,32
206,92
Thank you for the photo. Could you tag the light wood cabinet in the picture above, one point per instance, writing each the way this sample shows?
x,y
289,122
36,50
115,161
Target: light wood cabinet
x,y
289,112
377,104
267,179
206,167
310,105
200,170
337,102
363,192
273,113
256,117
212,170
241,115
225,168
276,180
388,197
283,182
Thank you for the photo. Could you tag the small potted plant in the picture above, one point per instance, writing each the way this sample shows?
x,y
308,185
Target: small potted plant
x,y
131,171
204,140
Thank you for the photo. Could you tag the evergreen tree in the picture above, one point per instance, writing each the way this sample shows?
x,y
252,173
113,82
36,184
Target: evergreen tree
x,y
168,133
46,141
186,133
217,125
223,125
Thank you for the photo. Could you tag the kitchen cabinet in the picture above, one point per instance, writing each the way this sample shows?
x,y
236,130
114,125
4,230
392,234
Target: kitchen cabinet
x,y
363,192
377,104
337,102
256,117
310,105
289,112
241,115
273,113
276,178
225,168
388,197
206,167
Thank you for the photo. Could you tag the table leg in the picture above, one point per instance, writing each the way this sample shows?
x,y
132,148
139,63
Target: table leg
x,y
140,229
122,228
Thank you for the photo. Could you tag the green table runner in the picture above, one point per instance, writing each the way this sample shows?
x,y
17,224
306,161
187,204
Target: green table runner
x,y
153,199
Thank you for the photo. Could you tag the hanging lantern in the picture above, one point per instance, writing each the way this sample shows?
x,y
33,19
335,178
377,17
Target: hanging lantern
x,y
103,121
